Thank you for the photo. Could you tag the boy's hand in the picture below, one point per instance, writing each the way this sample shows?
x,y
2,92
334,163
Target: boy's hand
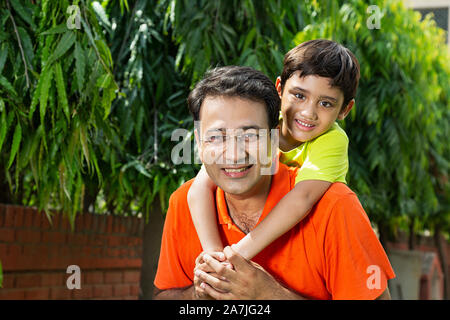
x,y
200,264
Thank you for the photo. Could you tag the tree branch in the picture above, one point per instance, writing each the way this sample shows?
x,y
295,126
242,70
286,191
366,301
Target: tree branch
x,y
20,44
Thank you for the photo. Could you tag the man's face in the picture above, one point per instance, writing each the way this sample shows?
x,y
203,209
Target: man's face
x,y
310,106
229,143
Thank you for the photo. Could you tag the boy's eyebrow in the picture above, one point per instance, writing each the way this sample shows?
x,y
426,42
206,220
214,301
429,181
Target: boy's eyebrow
x,y
306,91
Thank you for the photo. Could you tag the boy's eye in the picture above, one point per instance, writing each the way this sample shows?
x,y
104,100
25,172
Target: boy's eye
x,y
299,96
326,104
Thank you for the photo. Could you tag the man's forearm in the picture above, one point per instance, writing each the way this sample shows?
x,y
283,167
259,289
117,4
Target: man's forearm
x,y
284,293
186,293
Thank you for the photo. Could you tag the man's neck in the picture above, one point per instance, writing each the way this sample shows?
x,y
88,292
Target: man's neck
x,y
246,209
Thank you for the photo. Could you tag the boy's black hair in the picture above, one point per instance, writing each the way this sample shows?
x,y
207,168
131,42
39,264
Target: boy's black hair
x,y
324,58
236,81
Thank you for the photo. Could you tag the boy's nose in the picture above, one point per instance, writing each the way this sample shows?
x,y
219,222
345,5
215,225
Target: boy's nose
x,y
309,111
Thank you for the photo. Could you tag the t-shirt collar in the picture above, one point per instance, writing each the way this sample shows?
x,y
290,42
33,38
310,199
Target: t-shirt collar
x,y
280,186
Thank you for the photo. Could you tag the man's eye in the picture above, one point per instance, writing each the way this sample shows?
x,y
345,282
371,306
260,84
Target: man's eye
x,y
215,139
250,136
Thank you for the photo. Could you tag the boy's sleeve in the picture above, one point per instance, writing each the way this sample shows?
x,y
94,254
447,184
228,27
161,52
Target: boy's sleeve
x,y
326,159
170,273
357,266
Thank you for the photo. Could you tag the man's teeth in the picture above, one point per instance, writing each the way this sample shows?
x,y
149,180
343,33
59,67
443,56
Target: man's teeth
x,y
304,124
235,170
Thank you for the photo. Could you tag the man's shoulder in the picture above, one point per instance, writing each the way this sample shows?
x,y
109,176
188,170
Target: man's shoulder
x,y
182,190
337,191
336,200
179,196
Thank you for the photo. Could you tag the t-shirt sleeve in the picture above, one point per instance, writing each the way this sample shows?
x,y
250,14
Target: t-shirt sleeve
x,y
357,266
170,273
326,158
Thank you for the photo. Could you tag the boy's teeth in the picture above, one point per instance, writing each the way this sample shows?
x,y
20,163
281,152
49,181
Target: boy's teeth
x,y
305,124
236,170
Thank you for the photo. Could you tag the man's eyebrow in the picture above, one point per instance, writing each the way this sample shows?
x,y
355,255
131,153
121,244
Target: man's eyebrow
x,y
251,127
244,128
321,97
212,130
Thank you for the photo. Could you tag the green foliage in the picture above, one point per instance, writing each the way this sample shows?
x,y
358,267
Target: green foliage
x,y
45,64
249,32
162,50
87,114
398,131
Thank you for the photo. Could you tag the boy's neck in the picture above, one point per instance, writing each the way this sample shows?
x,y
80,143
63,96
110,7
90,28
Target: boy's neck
x,y
287,142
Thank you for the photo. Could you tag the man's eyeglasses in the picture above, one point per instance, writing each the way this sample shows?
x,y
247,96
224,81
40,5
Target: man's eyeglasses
x,y
219,139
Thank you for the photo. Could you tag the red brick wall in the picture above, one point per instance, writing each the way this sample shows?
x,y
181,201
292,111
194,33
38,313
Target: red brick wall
x,y
35,255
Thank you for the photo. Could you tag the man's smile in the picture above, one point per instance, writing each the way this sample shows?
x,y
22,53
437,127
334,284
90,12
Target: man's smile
x,y
237,171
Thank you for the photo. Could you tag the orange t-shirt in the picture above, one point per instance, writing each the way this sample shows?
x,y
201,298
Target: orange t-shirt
x,y
331,254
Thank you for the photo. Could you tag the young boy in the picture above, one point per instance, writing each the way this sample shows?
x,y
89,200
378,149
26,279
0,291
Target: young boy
x,y
317,87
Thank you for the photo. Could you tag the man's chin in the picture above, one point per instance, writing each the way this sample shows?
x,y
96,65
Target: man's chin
x,y
235,189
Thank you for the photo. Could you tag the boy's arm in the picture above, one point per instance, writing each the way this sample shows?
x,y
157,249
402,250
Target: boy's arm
x,y
290,210
203,211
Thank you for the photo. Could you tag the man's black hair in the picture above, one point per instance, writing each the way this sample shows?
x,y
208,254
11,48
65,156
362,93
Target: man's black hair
x,y
236,81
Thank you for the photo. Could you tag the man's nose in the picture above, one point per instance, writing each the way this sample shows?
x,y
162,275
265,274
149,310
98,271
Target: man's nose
x,y
235,152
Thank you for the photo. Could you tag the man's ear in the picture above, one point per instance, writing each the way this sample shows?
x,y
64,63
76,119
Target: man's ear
x,y
345,111
278,86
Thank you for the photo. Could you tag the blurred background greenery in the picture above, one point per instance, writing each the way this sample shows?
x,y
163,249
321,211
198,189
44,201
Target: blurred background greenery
x,y
86,114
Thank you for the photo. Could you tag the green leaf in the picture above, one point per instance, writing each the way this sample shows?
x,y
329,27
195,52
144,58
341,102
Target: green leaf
x,y
61,28
35,98
15,144
26,44
46,79
249,38
31,147
3,56
3,128
62,97
84,145
66,42
80,65
101,13
26,16
7,85
104,80
139,167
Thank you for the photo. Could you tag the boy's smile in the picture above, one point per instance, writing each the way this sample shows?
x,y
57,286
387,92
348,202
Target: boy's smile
x,y
309,107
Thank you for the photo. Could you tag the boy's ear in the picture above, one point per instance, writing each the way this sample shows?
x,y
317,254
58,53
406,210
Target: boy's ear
x,y
345,111
278,86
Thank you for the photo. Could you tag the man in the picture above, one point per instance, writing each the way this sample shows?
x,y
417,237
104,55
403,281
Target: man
x,y
332,254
